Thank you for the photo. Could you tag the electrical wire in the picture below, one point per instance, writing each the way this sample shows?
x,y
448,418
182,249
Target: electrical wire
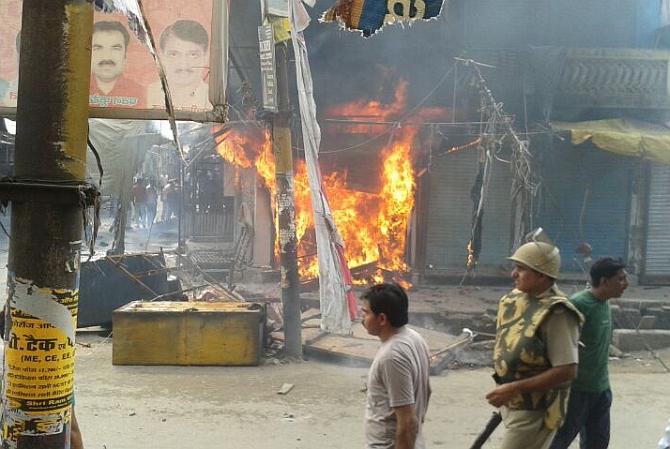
x,y
397,123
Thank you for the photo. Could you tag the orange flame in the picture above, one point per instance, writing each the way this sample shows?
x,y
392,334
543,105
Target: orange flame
x,y
353,212
373,225
397,196
236,146
232,147
470,262
369,110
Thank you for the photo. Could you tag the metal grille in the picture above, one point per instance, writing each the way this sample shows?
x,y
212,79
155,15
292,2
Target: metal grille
x,y
615,78
211,258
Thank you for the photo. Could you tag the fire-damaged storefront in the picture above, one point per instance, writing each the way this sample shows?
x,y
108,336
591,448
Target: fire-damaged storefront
x,y
370,161
453,184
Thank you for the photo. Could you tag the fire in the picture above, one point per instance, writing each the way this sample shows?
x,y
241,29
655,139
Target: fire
x,y
397,196
265,164
373,225
370,110
352,211
236,146
232,147
470,262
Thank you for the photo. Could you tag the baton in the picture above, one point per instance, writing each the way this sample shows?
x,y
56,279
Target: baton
x,y
491,425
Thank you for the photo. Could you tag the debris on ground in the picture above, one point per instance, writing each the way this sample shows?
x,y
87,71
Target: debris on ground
x,y
285,389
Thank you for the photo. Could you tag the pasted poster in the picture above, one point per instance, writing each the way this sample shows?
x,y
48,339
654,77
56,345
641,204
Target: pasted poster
x,y
123,73
268,76
39,361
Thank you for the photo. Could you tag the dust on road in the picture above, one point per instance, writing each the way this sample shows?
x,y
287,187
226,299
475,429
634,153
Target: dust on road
x,y
225,407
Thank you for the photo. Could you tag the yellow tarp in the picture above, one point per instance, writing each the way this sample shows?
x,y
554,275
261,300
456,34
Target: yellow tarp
x,y
622,136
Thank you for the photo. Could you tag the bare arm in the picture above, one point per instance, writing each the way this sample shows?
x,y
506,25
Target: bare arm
x,y
75,434
545,381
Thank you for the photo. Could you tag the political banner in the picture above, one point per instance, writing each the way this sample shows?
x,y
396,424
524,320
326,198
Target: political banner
x,y
124,76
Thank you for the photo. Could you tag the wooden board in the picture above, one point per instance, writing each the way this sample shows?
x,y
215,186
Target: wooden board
x,y
360,348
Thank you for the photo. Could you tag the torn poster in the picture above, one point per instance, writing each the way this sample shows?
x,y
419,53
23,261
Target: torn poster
x,y
338,304
38,365
368,16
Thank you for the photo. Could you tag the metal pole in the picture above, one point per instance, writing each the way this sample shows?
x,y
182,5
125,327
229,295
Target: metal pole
x,y
281,136
43,275
181,239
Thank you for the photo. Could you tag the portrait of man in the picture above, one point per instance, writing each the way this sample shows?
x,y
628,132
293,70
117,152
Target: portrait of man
x,y
184,52
109,86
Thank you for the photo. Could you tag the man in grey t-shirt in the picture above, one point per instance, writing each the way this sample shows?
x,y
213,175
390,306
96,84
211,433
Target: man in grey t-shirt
x,y
398,382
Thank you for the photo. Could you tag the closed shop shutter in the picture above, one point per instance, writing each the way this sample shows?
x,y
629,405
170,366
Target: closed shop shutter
x,y
450,213
585,197
657,257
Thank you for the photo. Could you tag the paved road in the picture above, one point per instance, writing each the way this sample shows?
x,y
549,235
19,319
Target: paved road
x,y
191,407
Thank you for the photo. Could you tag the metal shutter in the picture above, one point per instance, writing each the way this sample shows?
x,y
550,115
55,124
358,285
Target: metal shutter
x,y
592,179
657,258
450,213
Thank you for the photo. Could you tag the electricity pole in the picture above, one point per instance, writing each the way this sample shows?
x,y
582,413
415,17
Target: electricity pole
x,y
281,136
47,194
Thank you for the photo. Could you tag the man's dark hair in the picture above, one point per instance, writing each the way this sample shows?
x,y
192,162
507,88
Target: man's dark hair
x,y
606,267
389,299
186,30
111,25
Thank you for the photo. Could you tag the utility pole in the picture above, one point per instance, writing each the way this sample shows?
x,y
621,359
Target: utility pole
x,y
47,196
281,136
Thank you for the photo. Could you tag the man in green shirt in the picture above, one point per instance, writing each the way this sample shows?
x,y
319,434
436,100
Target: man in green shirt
x,y
590,395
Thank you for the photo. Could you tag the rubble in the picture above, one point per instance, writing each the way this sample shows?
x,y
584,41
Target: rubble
x,y
285,389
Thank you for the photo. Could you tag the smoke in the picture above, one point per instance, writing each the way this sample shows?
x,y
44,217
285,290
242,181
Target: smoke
x,y
347,67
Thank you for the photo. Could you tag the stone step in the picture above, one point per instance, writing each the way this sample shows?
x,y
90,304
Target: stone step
x,y
627,317
629,340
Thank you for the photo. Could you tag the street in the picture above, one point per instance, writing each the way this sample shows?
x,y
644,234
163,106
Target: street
x,y
508,167
132,407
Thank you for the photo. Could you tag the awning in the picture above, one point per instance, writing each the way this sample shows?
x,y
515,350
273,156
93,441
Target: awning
x,y
622,136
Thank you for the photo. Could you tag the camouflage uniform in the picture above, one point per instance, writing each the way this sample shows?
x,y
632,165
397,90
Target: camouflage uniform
x,y
520,353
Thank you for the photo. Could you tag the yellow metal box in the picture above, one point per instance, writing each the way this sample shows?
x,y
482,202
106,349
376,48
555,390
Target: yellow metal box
x,y
188,333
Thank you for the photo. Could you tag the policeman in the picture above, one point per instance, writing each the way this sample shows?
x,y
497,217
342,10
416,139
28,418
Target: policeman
x,y
535,355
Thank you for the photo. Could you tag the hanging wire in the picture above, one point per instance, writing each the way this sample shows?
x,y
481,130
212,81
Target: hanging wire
x,y
395,124
495,129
